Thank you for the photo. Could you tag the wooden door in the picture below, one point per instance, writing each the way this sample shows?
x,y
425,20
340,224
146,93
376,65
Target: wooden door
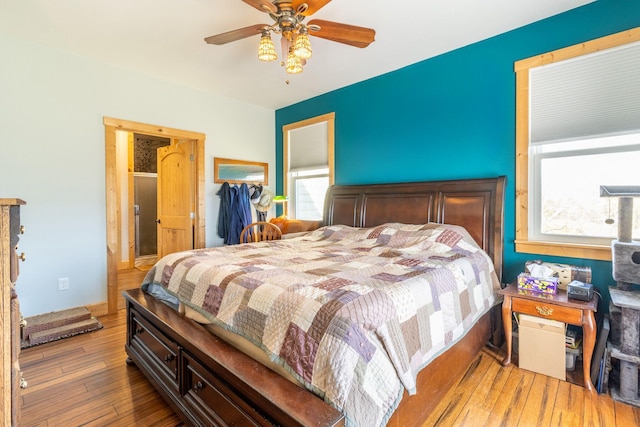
x,y
175,197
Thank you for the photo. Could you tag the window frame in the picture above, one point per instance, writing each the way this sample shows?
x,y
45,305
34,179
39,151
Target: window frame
x,y
329,118
522,242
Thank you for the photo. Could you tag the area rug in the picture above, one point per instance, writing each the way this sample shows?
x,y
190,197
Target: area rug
x,y
57,325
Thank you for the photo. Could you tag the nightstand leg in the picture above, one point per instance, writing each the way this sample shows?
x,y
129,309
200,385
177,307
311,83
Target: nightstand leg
x,y
507,321
589,334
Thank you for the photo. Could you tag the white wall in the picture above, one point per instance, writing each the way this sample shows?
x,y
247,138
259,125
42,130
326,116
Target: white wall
x,y
52,155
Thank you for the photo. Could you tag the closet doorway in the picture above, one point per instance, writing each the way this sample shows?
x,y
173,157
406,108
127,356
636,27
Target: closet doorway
x,y
179,177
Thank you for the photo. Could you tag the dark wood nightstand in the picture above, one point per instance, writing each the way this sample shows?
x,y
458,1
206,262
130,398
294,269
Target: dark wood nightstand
x,y
555,307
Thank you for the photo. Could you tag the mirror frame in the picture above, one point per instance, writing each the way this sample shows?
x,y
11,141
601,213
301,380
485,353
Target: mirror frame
x,y
219,163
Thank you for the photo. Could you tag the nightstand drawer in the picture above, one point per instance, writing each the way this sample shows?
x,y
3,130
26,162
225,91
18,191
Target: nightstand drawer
x,y
550,311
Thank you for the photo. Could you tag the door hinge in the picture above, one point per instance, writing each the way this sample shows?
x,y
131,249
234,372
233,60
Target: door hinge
x,y
192,215
192,157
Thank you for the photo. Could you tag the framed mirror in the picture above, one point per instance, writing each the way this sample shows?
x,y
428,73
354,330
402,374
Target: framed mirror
x,y
239,171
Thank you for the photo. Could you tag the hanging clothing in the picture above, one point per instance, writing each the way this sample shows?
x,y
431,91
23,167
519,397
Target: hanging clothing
x,y
241,215
235,212
255,191
224,214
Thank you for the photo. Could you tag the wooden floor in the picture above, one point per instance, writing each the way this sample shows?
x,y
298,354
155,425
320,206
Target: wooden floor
x,y
84,381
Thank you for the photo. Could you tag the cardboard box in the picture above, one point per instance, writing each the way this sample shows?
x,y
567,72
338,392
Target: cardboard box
x,y
542,346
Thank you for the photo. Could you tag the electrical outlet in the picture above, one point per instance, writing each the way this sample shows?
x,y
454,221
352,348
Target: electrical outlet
x,y
63,284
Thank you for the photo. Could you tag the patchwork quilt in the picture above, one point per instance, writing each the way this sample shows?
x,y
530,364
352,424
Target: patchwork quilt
x,y
353,314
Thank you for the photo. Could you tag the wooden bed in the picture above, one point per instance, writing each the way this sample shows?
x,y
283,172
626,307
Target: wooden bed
x,y
209,382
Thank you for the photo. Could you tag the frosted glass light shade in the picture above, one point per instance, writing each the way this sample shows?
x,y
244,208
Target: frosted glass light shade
x,y
267,50
294,65
302,46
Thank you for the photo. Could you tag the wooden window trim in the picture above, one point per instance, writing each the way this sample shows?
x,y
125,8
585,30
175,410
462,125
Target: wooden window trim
x,y
522,242
330,119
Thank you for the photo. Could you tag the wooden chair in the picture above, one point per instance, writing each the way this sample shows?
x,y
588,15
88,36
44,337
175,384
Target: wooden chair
x,y
260,231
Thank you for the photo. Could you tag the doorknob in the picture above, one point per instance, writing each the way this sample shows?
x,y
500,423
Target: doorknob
x,y
158,221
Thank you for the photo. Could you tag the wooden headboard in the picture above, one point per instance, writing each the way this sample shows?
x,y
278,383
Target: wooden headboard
x,y
475,204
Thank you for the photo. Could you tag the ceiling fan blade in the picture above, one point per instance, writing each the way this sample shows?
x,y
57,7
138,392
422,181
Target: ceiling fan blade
x,y
262,5
342,33
313,5
240,33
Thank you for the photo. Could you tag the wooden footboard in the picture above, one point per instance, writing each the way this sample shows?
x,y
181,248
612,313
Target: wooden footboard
x,y
207,381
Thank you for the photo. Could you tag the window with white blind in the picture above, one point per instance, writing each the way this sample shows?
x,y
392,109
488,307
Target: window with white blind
x,y
308,165
578,127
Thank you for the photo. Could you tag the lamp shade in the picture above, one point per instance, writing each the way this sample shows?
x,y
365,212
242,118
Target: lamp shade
x,y
302,46
294,65
266,49
280,199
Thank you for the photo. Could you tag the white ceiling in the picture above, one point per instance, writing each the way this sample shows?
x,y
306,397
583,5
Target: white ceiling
x,y
165,38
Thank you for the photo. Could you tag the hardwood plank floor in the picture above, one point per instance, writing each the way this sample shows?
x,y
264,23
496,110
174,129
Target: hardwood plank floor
x,y
84,381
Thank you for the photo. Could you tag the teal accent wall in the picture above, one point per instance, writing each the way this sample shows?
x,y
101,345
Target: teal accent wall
x,y
453,116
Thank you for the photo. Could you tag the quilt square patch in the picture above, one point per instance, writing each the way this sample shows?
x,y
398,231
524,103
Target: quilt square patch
x,y
299,351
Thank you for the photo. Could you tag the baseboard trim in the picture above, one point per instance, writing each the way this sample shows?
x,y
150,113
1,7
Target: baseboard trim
x,y
100,309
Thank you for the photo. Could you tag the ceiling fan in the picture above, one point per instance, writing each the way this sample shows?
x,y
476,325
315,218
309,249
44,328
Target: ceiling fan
x,y
288,17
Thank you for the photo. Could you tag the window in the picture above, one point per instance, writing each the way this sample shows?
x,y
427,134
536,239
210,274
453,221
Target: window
x,y
309,190
578,127
308,166
566,188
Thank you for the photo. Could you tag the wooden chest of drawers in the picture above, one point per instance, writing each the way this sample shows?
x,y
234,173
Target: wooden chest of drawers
x,y
10,376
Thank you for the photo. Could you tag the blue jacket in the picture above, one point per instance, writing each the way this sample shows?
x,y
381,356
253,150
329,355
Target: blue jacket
x,y
235,212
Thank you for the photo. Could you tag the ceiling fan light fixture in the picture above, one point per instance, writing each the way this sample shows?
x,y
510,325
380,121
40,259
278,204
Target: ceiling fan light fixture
x,y
266,49
288,21
302,46
294,64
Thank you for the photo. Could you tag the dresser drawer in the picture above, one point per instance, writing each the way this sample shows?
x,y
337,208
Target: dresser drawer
x,y
155,348
214,401
548,310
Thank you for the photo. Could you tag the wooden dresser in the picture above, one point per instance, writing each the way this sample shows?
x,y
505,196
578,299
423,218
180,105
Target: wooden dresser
x,y
10,376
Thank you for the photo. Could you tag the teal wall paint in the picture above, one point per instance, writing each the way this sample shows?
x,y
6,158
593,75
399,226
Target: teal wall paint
x,y
453,116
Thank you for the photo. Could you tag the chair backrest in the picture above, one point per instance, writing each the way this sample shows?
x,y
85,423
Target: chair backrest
x,y
260,231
